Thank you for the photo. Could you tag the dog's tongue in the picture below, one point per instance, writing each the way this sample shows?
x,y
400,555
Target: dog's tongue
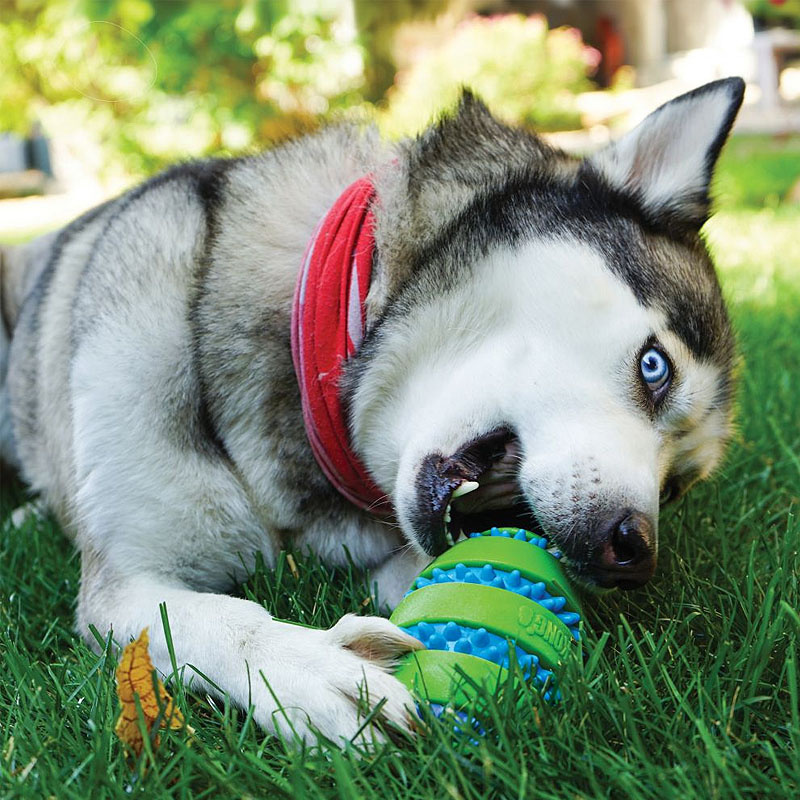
x,y
498,486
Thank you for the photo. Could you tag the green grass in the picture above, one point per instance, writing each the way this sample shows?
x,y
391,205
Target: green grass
x,y
690,688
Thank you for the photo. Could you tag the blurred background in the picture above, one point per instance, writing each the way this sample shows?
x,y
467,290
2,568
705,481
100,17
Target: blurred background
x,y
97,94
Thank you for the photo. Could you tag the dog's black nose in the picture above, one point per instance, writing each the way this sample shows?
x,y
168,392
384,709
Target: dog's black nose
x,y
626,556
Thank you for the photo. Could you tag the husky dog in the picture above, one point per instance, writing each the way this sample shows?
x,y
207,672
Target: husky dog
x,y
546,345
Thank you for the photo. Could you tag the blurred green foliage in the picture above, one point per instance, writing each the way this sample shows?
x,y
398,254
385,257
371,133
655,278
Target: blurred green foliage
x,y
525,72
133,85
758,172
775,10
154,81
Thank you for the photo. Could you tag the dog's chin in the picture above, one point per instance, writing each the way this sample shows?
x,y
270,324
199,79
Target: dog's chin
x,y
585,582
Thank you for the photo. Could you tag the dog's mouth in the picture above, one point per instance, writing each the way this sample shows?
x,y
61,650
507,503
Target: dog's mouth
x,y
472,490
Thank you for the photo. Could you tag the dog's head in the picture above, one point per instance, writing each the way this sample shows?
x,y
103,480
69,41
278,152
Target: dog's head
x,y
547,342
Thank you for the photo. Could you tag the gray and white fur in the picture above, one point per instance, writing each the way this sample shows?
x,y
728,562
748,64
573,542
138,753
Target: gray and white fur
x,y
148,393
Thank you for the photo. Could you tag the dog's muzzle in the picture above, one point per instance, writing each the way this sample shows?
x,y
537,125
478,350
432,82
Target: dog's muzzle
x,y
478,487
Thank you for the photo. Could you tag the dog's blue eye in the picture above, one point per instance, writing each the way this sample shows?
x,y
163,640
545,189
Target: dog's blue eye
x,y
654,368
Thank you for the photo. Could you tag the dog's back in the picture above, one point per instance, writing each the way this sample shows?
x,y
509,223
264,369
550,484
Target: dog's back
x,y
238,225
39,283
20,268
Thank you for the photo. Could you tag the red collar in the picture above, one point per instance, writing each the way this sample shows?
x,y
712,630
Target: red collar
x,y
328,322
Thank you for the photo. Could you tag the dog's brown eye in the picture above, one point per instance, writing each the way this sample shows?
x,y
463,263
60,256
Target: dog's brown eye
x,y
671,491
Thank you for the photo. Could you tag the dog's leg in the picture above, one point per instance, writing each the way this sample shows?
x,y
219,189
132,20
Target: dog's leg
x,y
298,679
392,579
161,512
160,519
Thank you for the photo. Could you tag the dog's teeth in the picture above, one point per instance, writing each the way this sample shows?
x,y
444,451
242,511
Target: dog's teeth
x,y
447,513
465,488
448,537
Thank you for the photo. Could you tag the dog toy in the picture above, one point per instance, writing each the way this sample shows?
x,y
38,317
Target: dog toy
x,y
493,596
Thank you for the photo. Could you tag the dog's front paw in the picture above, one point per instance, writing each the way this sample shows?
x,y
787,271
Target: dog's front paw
x,y
337,682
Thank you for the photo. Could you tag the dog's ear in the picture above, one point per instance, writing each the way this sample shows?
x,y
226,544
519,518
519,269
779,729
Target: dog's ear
x,y
464,154
465,151
666,162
